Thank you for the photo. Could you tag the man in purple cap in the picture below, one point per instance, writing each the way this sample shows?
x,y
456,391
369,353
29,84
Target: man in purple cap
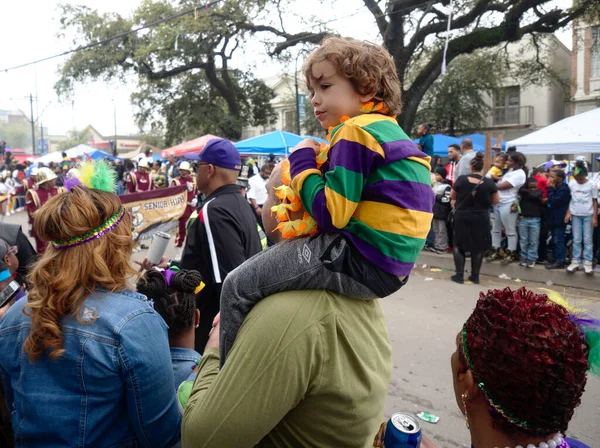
x,y
225,233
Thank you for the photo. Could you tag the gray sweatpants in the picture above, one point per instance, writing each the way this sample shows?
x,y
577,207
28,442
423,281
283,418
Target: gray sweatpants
x,y
323,261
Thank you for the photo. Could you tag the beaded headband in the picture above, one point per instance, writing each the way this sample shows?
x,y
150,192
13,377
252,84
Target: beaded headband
x,y
92,234
489,397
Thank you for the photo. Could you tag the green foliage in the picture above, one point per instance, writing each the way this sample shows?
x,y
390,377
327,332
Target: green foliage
x,y
16,135
311,124
460,99
75,138
154,138
185,87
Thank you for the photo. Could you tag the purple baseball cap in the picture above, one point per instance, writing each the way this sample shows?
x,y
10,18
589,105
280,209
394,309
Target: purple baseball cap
x,y
219,152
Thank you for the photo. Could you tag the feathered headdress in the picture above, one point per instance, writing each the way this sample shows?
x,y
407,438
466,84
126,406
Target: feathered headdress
x,y
588,324
96,175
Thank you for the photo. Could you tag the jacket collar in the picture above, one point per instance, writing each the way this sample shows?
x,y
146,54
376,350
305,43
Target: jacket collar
x,y
225,189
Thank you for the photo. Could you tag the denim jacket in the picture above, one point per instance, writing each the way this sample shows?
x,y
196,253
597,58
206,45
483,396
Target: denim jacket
x,y
113,387
183,360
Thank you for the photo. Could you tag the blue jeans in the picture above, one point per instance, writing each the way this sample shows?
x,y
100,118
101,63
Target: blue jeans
x,y
559,252
503,217
529,232
583,232
119,190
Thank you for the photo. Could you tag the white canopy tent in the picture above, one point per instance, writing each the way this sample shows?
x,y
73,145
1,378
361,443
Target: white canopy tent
x,y
579,134
72,153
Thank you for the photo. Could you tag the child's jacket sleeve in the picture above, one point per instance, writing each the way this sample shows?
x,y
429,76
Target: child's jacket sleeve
x,y
332,199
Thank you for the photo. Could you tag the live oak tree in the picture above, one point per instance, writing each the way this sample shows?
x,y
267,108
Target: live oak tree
x,y
412,29
185,85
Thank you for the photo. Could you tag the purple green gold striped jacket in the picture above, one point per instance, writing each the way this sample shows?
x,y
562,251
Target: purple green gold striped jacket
x,y
375,190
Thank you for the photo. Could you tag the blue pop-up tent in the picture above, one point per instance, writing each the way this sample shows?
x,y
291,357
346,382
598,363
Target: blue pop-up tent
x,y
441,143
100,155
278,143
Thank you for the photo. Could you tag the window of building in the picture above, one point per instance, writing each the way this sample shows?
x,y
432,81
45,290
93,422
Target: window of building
x,y
289,124
595,66
506,105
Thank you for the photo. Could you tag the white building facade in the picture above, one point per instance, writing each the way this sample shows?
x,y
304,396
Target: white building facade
x,y
518,108
284,105
585,68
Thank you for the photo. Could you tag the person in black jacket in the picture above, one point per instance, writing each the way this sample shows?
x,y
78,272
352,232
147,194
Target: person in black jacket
x,y
532,204
559,197
225,233
26,254
441,209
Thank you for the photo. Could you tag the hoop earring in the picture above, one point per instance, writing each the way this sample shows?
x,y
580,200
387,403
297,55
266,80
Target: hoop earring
x,y
464,402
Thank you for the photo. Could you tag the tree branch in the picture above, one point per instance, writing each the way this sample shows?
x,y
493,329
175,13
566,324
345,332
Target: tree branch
x,y
290,39
378,14
149,74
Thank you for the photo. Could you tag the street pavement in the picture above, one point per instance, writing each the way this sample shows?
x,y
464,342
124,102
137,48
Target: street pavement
x,y
423,319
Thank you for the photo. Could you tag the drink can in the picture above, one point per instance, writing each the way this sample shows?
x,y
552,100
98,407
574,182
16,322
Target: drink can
x,y
402,431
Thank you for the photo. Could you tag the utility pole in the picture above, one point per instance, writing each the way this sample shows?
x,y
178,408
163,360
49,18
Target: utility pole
x,y
297,99
42,137
298,130
115,119
32,123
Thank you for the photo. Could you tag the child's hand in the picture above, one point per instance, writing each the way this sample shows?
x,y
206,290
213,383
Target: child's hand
x,y
595,221
308,143
568,217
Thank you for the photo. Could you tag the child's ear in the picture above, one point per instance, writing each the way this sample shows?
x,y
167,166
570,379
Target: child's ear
x,y
368,97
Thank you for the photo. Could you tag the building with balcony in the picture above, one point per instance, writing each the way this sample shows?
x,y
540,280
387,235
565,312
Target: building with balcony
x,y
284,105
518,108
585,67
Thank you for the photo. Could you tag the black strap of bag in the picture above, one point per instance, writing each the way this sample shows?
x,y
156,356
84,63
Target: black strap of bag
x,y
472,195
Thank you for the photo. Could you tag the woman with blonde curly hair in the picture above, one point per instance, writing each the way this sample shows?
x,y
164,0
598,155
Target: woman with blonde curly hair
x,y
85,360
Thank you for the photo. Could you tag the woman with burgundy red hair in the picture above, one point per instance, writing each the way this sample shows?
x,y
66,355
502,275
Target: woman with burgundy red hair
x,y
520,369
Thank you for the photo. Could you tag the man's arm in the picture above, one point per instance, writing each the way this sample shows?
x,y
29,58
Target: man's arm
x,y
266,370
252,196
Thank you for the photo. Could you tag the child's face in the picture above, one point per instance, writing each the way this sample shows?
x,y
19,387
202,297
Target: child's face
x,y
333,95
532,186
499,163
438,178
580,179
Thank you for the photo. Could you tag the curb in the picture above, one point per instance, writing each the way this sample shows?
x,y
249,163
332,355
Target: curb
x,y
538,274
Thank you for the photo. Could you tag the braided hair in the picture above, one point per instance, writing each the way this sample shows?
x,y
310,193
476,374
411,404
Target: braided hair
x,y
176,304
529,357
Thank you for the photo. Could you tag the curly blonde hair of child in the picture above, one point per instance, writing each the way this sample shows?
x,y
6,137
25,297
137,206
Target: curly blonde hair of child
x,y
63,278
368,66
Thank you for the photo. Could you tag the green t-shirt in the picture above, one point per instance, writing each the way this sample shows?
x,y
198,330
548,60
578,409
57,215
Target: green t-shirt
x,y
308,368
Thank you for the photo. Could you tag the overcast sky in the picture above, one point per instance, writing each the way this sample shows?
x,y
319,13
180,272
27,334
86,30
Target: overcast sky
x,y
29,31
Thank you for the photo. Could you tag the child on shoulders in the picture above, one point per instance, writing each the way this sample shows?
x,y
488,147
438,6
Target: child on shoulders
x,y
367,195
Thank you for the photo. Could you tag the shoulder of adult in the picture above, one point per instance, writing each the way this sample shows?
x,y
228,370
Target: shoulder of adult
x,y
14,317
10,232
119,308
